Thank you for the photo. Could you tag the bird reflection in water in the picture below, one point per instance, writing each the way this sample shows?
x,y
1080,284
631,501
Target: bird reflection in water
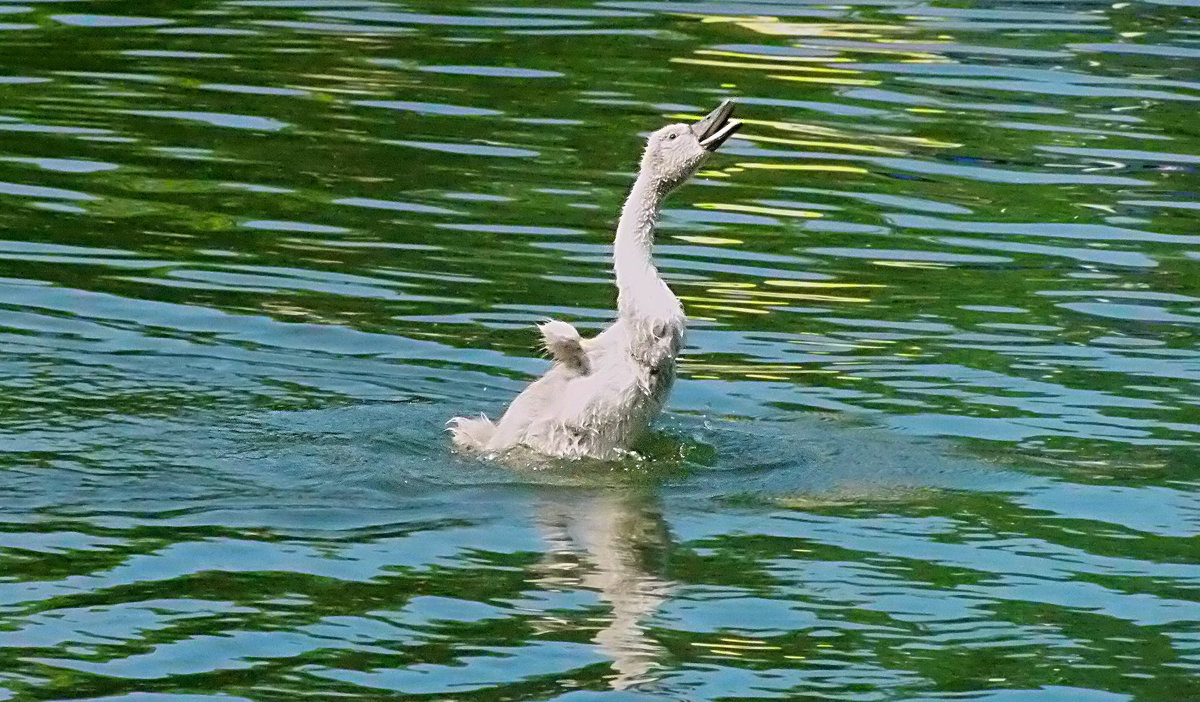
x,y
615,544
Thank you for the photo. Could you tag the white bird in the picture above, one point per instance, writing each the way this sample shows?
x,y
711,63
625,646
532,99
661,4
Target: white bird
x,y
602,393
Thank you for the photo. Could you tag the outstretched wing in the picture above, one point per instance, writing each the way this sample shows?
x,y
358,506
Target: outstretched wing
x,y
563,343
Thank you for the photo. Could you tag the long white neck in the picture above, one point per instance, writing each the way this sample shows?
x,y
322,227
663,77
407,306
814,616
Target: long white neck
x,y
638,283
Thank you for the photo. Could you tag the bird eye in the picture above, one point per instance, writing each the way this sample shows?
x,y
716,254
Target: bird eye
x,y
672,135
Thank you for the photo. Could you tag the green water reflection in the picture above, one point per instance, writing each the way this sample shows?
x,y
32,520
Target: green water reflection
x,y
935,430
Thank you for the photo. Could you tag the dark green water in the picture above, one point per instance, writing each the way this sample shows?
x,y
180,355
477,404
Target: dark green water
x,y
935,435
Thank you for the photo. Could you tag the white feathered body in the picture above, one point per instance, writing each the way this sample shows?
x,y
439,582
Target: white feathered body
x,y
601,413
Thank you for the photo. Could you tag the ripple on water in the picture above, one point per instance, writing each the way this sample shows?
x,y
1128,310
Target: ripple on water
x,y
447,20
41,191
275,225
466,149
256,90
491,71
216,119
159,53
429,108
395,206
64,165
906,255
334,27
106,21
1132,259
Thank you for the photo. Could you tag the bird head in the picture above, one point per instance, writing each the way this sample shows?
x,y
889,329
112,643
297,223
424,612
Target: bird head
x,y
675,152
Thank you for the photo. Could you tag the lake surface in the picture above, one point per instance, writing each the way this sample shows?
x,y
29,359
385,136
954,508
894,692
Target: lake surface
x,y
934,437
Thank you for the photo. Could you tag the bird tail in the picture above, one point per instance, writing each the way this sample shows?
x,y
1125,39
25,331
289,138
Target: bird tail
x,y
471,433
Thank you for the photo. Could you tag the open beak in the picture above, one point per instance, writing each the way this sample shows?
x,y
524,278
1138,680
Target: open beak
x,y
713,130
